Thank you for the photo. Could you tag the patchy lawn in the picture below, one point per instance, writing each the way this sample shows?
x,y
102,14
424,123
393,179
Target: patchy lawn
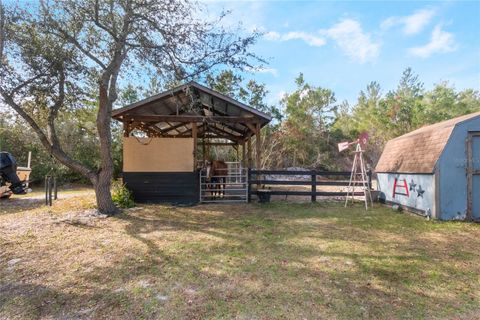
x,y
291,261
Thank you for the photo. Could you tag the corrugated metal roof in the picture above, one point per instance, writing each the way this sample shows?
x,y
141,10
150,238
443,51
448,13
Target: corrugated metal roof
x,y
193,99
167,101
419,150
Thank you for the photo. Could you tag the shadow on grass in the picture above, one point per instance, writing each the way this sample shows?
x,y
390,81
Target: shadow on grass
x,y
265,235
17,205
274,261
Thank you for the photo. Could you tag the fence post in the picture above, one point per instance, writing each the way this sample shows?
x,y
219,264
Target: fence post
x,y
46,190
55,188
50,192
249,188
314,187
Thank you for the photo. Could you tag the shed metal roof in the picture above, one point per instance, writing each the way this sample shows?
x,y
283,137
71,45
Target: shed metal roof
x,y
418,151
192,103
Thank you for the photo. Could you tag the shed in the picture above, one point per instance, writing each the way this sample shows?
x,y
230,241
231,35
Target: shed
x,y
435,170
162,163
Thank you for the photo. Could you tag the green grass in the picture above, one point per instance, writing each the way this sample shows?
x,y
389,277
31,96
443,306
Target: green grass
x,y
275,261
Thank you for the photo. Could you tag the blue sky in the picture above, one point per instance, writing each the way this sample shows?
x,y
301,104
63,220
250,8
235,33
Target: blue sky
x,y
345,45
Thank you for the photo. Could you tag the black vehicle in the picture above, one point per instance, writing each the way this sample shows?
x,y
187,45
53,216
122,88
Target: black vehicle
x,y
9,180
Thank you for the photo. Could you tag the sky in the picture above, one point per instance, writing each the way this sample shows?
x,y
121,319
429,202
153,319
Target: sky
x,y
344,45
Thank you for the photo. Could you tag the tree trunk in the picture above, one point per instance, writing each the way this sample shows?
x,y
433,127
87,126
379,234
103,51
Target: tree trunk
x,y
103,196
103,180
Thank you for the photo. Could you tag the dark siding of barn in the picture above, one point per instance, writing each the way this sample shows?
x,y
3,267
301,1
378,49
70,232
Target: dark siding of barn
x,y
166,187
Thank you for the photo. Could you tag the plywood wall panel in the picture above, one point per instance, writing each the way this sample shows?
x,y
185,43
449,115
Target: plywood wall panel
x,y
157,155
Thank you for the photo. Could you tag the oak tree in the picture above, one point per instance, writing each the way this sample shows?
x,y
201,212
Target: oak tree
x,y
51,51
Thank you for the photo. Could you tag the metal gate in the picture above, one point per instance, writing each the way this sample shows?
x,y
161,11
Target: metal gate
x,y
235,188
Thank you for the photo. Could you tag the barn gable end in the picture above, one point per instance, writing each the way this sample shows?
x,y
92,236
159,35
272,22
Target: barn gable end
x,y
419,150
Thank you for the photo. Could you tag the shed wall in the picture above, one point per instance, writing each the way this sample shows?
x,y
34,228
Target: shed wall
x,y
160,170
452,167
157,154
416,183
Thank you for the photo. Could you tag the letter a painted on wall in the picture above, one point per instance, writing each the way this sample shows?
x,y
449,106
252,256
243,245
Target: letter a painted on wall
x,y
400,186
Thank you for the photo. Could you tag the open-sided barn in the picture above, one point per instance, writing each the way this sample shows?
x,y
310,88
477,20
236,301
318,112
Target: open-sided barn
x,y
435,170
164,164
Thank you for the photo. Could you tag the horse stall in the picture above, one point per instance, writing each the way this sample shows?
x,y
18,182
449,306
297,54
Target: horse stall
x,y
167,142
160,169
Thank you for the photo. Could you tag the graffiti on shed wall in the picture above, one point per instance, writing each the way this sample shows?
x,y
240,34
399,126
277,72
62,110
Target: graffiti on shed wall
x,y
412,190
401,189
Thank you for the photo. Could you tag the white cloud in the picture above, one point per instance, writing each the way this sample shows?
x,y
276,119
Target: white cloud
x,y
413,23
353,41
348,35
272,71
440,42
272,35
310,39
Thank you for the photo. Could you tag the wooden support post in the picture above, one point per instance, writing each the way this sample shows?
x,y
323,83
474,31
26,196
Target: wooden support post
x,y
249,186
244,155
204,142
249,152
204,151
126,129
194,136
314,187
258,147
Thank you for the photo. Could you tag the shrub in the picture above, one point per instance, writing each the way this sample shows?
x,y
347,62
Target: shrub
x,y
121,195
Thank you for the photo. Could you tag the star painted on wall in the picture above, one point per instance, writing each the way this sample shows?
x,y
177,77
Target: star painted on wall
x,y
412,185
420,191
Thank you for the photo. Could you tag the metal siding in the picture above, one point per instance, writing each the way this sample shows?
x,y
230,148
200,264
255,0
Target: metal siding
x,y
476,152
420,201
476,197
476,178
453,179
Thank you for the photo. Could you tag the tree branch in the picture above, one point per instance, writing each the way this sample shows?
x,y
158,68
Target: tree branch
x,y
55,150
75,42
26,83
2,32
97,22
54,109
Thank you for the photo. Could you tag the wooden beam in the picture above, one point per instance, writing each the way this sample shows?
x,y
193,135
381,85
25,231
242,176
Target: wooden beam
x,y
204,150
191,118
126,129
216,112
258,147
244,154
220,143
171,128
218,136
219,131
252,128
194,135
187,133
249,152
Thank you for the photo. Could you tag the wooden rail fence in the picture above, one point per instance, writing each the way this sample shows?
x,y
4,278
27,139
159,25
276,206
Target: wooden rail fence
x,y
256,177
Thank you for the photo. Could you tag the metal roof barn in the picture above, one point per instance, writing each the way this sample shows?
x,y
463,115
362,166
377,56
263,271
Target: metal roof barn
x,y
435,170
163,164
